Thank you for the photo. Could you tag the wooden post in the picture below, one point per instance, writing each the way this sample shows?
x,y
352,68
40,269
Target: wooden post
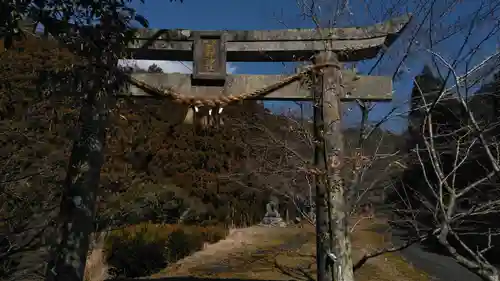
x,y
334,245
322,230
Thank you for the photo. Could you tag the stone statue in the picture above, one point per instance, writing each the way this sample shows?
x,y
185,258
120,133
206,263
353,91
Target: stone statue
x,y
272,216
271,209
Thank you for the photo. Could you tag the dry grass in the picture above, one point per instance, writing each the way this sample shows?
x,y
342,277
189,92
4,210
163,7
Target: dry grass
x,y
96,268
373,234
289,253
238,249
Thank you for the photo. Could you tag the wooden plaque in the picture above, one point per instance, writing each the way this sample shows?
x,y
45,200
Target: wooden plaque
x,y
209,56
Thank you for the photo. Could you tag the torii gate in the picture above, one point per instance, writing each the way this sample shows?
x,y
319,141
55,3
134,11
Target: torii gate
x,y
210,87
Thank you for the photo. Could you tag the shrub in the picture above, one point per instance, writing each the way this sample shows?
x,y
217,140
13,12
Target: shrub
x,y
136,250
183,242
213,234
140,250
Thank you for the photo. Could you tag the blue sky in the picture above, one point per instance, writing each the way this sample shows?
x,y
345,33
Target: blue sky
x,y
279,14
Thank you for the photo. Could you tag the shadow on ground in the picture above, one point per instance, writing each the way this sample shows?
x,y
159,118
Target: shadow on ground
x,y
433,259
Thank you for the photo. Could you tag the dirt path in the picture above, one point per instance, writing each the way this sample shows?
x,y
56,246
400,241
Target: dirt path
x,y
286,253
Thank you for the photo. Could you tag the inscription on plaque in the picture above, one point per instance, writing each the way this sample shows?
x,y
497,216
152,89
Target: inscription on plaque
x,y
209,56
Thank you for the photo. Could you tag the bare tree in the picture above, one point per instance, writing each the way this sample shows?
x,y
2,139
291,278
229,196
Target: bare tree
x,y
429,39
457,156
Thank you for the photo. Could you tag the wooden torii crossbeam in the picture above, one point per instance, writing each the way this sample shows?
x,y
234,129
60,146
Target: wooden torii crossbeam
x,y
210,86
351,43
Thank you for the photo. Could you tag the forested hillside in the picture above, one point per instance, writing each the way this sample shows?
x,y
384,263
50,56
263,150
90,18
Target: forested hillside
x,y
144,151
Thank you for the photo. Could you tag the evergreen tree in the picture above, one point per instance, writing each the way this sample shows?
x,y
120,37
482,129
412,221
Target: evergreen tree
x,y
425,91
154,68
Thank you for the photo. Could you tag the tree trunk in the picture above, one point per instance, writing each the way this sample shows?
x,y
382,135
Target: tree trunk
x,y
322,241
77,209
333,157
